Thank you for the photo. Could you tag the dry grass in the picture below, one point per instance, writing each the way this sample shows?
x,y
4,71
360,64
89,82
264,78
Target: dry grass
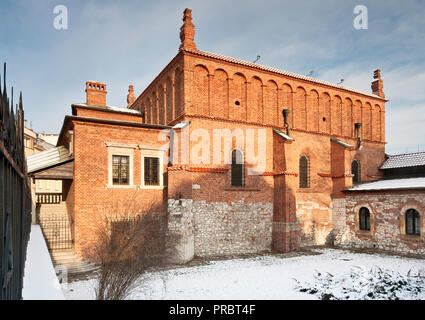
x,y
128,244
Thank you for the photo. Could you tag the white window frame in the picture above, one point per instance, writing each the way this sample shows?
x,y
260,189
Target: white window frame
x,y
118,149
151,152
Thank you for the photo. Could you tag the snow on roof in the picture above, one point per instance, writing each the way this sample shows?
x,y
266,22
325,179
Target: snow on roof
x,y
404,160
388,184
48,158
283,135
181,125
275,70
112,108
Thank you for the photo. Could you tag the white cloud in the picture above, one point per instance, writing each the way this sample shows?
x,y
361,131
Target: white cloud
x,y
405,129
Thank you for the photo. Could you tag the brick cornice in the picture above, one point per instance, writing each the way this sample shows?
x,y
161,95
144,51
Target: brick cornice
x,y
334,176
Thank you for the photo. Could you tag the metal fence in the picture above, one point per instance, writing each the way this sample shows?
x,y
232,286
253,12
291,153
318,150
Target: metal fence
x,y
57,233
15,197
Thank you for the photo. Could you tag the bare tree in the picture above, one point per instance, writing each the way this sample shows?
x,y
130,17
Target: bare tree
x,y
128,243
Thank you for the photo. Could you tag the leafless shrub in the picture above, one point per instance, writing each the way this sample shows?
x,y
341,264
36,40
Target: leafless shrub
x,y
128,243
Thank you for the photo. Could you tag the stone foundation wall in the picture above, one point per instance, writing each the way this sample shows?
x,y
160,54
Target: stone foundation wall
x,y
201,228
387,223
315,223
339,220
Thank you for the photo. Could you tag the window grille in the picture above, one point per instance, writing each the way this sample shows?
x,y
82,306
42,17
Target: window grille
x,y
304,172
151,171
120,169
355,170
413,222
364,219
237,169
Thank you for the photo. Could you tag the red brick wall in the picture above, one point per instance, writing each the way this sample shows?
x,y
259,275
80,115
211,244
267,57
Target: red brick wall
x,y
69,193
212,87
93,200
162,100
212,93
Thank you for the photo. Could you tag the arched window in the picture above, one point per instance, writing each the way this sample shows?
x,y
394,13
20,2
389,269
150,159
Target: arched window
x,y
237,170
355,169
304,172
364,219
412,222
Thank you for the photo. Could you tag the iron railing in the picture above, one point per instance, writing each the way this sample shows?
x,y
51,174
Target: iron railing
x,y
15,197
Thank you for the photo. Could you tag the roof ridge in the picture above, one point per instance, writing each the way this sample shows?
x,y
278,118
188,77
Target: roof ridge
x,y
405,154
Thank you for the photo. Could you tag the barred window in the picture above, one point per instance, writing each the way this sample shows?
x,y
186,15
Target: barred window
x,y
237,174
364,219
355,170
151,171
412,222
120,169
304,172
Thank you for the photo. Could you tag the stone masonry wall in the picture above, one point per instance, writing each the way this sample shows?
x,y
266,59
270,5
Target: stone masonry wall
x,y
219,228
315,221
387,222
338,214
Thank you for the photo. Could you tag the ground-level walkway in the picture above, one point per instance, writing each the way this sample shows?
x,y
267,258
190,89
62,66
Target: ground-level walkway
x,y
40,280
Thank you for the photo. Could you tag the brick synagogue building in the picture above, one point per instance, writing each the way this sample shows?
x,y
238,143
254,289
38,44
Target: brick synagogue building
x,y
239,158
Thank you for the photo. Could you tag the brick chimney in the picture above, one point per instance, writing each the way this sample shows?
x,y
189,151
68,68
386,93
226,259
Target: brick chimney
x,y
130,96
378,84
96,93
187,32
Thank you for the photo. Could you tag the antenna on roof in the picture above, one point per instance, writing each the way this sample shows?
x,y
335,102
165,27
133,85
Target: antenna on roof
x,y
256,59
342,80
310,73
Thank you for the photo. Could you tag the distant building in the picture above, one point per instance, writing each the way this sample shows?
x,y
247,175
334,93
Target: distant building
x,y
35,143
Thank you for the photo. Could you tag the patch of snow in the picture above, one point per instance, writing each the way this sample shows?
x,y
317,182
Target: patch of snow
x,y
386,184
40,280
263,277
125,110
363,283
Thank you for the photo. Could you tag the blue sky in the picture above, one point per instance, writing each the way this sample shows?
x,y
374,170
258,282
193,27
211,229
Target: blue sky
x,y
130,41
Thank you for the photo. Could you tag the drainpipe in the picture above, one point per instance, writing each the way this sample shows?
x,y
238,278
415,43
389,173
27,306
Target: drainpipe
x,y
357,126
285,113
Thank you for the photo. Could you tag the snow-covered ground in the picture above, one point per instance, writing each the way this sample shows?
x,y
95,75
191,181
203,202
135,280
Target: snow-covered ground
x,y
40,281
262,277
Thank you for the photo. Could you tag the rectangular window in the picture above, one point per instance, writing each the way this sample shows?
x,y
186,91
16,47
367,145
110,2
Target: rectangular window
x,y
120,169
151,171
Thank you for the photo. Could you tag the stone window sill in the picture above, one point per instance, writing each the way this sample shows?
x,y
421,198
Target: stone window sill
x,y
151,187
306,190
411,238
364,233
120,186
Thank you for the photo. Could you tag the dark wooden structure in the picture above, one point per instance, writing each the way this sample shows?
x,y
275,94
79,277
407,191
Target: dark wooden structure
x,y
15,198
